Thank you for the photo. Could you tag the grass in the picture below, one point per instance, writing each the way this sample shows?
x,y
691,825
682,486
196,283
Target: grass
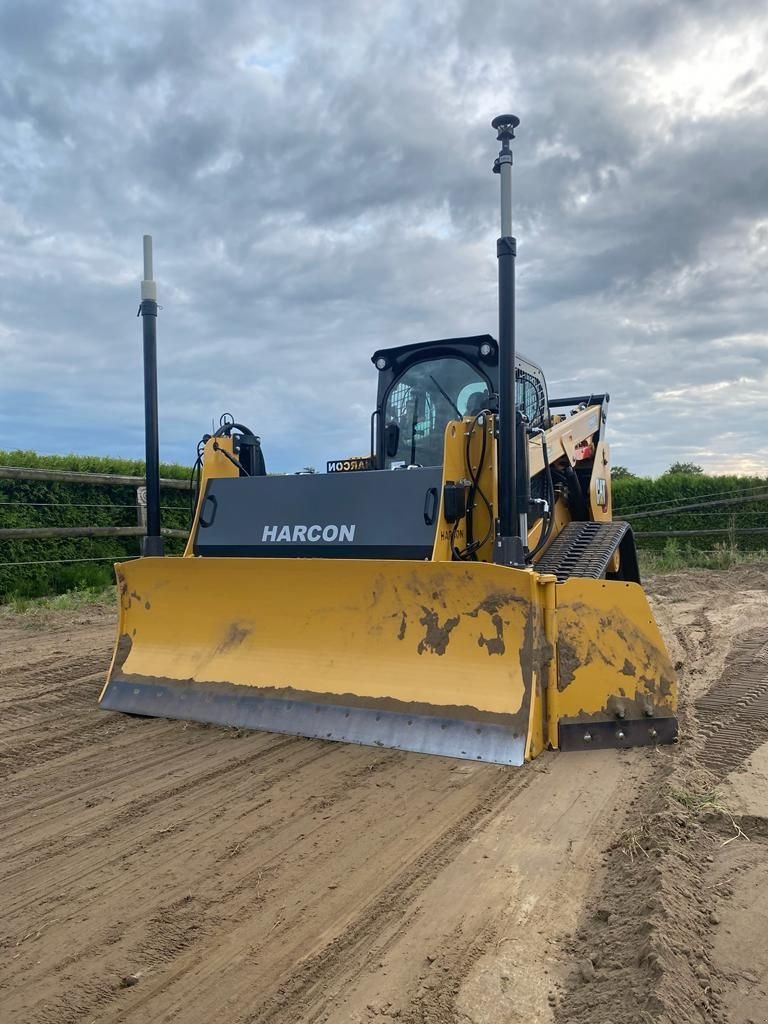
x,y
645,837
698,802
633,841
674,557
708,803
73,600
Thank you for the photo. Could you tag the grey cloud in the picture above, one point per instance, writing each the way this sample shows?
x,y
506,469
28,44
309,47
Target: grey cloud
x,y
318,183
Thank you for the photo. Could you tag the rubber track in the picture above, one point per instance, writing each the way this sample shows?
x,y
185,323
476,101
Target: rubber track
x,y
582,549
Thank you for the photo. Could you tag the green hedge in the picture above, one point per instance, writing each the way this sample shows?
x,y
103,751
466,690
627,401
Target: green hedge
x,y
47,503
44,503
666,492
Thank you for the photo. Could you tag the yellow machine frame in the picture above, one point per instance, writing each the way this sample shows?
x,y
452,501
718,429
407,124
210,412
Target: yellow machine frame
x,y
471,659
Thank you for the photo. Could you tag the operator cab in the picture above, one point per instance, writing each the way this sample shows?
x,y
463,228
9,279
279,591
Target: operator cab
x,y
422,387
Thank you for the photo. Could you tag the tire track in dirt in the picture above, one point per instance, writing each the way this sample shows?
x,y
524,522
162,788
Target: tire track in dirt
x,y
21,803
40,747
94,995
137,809
97,821
52,714
50,677
733,714
344,955
271,748
273,946
33,709
435,1002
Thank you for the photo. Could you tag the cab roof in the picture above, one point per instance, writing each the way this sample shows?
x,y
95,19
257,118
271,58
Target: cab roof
x,y
468,346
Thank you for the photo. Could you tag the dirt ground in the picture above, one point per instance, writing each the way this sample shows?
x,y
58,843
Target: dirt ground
x,y
155,871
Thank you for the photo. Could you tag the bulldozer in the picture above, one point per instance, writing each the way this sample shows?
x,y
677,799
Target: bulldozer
x,y
462,589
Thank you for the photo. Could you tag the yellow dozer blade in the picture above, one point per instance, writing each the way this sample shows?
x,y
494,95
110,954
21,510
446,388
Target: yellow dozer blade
x,y
446,658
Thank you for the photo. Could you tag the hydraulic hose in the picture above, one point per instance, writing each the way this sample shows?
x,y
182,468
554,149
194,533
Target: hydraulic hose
x,y
547,531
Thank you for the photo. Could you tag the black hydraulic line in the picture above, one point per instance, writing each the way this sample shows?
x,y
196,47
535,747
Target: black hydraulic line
x,y
152,543
509,547
235,462
225,429
247,440
194,480
577,502
546,532
472,546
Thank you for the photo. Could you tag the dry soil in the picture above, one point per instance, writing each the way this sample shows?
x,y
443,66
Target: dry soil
x,y
155,871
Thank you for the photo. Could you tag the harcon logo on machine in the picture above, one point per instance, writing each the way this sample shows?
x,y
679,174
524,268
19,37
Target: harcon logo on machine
x,y
314,534
348,465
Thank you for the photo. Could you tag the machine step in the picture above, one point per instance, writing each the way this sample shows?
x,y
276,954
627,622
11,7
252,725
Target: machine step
x,y
582,549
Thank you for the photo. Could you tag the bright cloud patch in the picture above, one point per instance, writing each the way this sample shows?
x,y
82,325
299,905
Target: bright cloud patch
x,y
320,186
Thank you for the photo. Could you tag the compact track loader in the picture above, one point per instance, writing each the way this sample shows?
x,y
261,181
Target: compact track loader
x,y
461,590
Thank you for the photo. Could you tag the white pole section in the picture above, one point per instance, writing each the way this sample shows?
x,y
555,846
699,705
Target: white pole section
x,y
148,286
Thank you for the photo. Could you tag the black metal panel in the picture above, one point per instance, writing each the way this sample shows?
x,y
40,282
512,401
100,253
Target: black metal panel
x,y
598,399
634,732
378,514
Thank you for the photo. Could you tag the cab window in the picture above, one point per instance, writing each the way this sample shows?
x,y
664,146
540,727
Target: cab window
x,y
530,397
420,404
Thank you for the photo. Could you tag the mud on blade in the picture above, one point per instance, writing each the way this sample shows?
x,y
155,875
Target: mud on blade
x,y
434,657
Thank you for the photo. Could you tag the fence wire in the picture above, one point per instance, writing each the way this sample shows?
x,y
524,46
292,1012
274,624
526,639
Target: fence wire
x,y
744,494
82,504
63,561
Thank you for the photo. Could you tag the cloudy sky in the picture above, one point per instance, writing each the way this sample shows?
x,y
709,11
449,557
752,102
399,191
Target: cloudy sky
x,y
316,177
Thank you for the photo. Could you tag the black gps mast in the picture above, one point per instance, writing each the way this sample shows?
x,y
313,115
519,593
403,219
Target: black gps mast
x,y
512,530
152,544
